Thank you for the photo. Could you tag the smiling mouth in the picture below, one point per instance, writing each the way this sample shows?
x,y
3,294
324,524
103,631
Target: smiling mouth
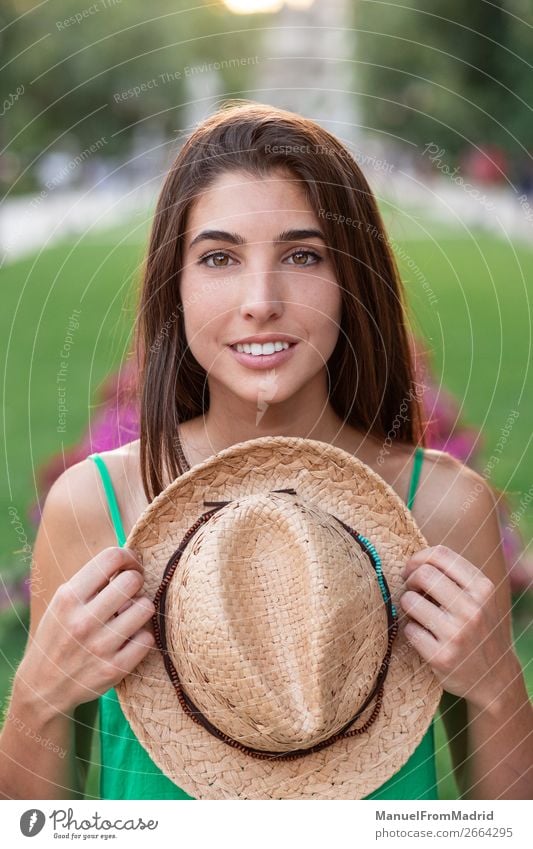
x,y
280,347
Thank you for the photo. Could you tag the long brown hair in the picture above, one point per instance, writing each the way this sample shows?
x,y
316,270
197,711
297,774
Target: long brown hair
x,y
372,376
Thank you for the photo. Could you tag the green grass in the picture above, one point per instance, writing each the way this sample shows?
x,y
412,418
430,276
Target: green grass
x,y
38,297
479,336
478,333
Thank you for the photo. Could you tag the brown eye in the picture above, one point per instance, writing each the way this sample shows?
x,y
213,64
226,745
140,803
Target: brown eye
x,y
218,258
300,258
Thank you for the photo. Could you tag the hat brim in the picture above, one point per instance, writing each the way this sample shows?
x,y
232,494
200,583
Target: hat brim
x,y
352,768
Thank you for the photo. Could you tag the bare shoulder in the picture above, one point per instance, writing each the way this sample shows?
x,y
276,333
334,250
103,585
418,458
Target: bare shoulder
x,y
75,513
458,509
75,522
75,526
451,497
72,530
123,467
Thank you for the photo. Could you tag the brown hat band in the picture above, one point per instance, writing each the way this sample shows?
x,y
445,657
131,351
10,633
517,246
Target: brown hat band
x,y
190,708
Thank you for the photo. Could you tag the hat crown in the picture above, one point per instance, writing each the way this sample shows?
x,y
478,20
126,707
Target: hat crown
x,y
275,622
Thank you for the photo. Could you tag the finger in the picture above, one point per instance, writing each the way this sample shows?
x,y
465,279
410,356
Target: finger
x,y
123,627
457,568
97,573
128,603
118,592
423,641
431,617
134,650
434,585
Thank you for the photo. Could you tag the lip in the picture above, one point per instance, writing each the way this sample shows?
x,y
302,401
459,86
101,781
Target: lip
x,y
264,360
268,337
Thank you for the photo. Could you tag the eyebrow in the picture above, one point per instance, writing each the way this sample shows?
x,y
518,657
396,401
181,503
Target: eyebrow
x,y
235,239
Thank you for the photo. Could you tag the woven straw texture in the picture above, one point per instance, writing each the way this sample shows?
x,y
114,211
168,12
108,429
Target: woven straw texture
x,y
275,643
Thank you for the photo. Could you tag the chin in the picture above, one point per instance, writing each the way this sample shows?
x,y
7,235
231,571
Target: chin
x,y
260,390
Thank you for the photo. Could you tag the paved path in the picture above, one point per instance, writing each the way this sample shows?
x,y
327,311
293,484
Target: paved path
x,y
28,224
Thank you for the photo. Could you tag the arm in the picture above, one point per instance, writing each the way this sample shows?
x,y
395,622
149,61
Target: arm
x,y
28,769
77,646
499,764
459,602
37,757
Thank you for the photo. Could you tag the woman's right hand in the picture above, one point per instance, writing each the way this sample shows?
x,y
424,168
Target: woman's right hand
x,y
95,630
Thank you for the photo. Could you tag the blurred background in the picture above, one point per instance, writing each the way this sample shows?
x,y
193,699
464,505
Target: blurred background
x,y
433,98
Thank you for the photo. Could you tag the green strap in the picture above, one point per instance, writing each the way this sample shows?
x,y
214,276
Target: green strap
x,y
115,513
111,498
415,477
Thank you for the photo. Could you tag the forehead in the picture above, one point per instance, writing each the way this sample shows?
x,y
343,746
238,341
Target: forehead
x,y
251,199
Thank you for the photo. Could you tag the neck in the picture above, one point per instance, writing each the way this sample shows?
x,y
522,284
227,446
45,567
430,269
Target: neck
x,y
308,414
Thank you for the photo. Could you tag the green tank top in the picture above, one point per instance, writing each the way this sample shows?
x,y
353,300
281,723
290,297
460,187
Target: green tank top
x,y
128,772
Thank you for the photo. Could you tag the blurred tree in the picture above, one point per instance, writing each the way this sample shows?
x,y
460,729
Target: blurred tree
x,y
78,63
447,72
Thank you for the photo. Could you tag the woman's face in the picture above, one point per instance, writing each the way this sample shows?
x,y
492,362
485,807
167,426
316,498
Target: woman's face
x,y
265,273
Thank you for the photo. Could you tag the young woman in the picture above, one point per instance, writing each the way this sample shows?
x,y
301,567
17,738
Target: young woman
x,y
270,305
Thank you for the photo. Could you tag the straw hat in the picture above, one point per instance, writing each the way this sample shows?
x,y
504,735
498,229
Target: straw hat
x,y
281,670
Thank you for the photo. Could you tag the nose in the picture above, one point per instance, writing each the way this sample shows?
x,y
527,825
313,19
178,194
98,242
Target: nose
x,y
261,299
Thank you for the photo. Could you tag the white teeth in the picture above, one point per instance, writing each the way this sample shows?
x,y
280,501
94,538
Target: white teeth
x,y
257,349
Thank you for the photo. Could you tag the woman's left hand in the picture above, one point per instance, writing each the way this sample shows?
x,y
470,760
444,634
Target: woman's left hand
x,y
455,625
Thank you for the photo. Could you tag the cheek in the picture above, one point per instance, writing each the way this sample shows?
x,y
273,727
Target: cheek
x,y
200,297
323,305
200,322
335,305
205,310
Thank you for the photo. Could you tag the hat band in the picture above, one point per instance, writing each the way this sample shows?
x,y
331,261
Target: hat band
x,y
188,706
